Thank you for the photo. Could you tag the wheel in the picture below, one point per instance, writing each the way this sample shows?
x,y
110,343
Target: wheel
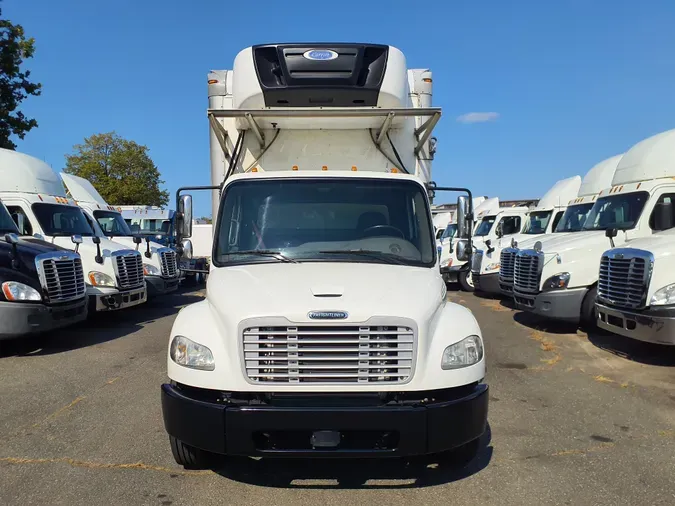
x,y
190,457
460,457
589,317
465,280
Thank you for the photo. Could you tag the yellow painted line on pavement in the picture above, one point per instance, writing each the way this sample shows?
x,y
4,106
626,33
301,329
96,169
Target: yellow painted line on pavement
x,y
60,411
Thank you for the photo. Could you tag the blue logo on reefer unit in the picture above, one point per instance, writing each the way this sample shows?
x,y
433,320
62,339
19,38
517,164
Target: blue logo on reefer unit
x,y
320,54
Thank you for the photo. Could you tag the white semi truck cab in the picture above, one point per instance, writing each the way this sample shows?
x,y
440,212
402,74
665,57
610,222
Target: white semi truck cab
x,y
541,220
35,196
636,287
160,264
560,281
597,179
325,330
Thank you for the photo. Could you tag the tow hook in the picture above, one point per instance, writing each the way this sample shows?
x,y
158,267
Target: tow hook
x,y
112,301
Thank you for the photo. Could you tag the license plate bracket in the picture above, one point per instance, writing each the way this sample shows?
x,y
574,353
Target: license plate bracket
x,y
325,439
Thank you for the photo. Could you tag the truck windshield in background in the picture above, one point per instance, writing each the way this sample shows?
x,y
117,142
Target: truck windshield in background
x,y
574,218
112,224
7,225
369,220
148,226
616,211
60,220
485,226
449,232
537,222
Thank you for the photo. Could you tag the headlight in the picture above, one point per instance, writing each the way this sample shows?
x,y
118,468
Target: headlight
x,y
492,267
665,295
557,282
467,352
190,354
150,270
15,291
100,279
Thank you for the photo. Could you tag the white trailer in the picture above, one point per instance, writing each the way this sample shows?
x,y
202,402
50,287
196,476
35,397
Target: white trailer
x,y
325,330
561,281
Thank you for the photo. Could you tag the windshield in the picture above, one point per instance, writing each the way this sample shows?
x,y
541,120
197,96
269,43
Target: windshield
x,y
537,222
485,226
574,218
616,211
325,220
149,227
112,224
60,220
449,232
7,225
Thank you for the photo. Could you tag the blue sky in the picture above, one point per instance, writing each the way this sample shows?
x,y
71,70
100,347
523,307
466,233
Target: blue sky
x,y
572,82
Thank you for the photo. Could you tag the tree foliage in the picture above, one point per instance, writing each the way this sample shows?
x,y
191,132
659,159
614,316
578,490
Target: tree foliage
x,y
121,170
15,85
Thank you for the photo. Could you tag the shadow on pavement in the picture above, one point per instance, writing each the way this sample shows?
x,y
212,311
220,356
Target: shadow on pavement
x,y
637,351
392,473
537,322
100,328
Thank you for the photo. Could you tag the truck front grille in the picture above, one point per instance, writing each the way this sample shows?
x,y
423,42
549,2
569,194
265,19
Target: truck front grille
x,y
507,265
624,277
527,271
61,276
168,261
313,354
128,268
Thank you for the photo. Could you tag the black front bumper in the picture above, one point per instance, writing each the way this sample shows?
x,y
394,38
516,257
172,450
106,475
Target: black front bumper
x,y
488,283
160,286
285,427
21,319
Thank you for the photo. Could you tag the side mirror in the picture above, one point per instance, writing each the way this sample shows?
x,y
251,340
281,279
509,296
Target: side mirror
x,y
187,249
610,233
184,216
464,218
663,216
77,240
499,231
138,239
13,239
463,250
96,239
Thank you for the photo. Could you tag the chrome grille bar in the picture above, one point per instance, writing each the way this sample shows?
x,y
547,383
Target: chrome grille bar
x,y
624,277
61,276
128,265
527,271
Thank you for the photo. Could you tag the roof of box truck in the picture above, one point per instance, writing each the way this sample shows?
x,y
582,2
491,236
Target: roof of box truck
x,y
26,174
82,190
561,193
651,158
599,177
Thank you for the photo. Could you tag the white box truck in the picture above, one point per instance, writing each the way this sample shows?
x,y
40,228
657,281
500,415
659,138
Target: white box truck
x,y
561,281
160,264
36,198
636,285
325,330
541,220
597,179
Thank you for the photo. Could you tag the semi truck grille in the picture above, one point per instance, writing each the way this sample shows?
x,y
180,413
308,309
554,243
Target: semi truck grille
x,y
507,265
527,271
168,261
476,260
624,277
128,268
329,354
61,276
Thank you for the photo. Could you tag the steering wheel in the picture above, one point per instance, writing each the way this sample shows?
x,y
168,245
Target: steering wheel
x,y
381,228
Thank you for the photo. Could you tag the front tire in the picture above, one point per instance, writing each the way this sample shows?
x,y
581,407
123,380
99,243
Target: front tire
x,y
190,457
465,280
589,316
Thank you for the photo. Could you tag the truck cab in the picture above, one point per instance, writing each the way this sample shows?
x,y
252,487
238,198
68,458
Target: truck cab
x,y
560,281
326,329
160,264
35,196
598,178
542,220
41,285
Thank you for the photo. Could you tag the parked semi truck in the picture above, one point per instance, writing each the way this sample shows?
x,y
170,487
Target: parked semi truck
x,y
160,264
597,179
561,280
41,285
541,220
325,330
35,196
636,285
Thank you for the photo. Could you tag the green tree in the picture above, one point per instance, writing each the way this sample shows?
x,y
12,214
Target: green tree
x,y
120,170
15,85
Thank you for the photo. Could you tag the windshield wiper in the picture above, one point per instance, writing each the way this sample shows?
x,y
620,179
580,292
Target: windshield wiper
x,y
392,259
267,253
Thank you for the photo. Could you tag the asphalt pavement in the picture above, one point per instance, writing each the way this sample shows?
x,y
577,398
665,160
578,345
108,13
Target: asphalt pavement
x,y
574,419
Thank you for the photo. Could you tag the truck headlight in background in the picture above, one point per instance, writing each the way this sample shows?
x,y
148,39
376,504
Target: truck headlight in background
x,y
493,267
664,296
15,291
557,282
100,279
150,270
190,354
468,351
